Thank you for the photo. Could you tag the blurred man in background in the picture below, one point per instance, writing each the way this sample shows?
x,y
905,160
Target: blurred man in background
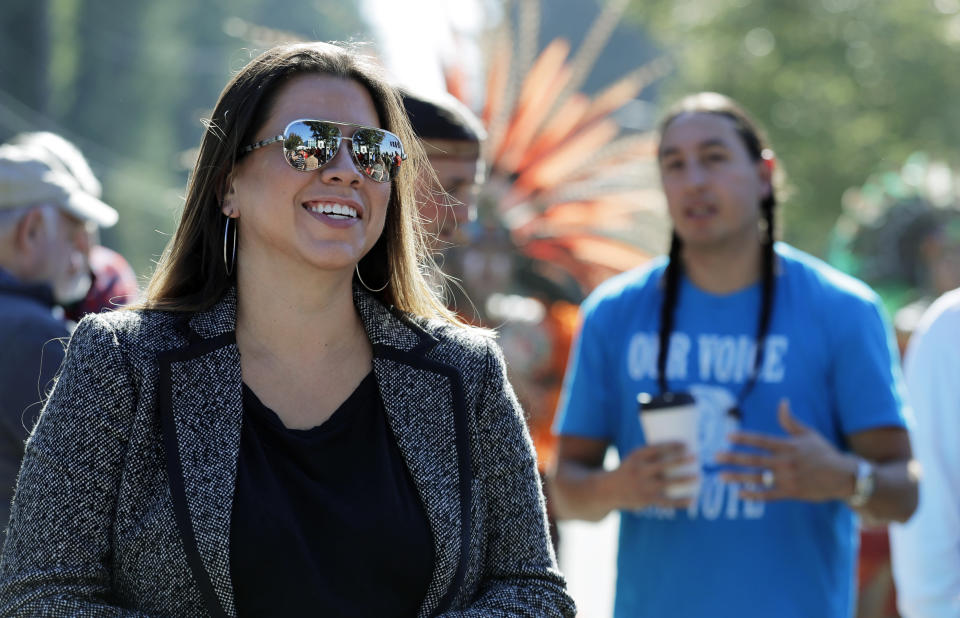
x,y
45,221
114,281
452,136
926,550
785,371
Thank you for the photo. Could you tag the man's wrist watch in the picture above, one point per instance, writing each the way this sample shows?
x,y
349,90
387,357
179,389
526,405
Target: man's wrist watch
x,y
864,485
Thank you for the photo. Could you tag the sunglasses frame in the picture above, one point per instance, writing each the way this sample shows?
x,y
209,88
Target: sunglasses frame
x,y
340,138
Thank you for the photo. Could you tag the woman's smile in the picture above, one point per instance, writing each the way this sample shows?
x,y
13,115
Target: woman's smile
x,y
335,212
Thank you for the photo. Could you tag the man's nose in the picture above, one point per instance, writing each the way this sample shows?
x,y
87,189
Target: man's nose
x,y
694,175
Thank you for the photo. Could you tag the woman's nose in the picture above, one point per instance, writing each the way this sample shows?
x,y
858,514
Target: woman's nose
x,y
342,167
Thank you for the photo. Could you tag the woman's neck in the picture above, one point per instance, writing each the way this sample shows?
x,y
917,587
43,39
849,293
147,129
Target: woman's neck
x,y
298,316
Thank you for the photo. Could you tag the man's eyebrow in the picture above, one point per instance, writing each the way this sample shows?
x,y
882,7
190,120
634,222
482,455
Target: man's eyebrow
x,y
713,141
666,152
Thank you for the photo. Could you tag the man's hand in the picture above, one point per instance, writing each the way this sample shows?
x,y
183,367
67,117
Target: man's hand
x,y
642,481
802,466
580,487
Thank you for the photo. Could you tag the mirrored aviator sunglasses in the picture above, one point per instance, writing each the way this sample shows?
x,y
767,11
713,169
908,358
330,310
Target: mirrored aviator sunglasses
x,y
308,145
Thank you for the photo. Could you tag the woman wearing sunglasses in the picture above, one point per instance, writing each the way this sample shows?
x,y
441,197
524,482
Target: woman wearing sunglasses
x,y
293,423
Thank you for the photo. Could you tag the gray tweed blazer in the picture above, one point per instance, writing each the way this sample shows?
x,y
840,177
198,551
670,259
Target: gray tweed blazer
x,y
123,502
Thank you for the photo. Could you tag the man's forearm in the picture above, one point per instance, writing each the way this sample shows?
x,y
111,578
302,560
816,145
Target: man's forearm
x,y
580,492
895,494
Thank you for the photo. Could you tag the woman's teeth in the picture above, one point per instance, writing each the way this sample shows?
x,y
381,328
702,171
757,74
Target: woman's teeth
x,y
337,211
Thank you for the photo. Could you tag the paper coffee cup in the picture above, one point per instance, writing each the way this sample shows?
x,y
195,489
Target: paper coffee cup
x,y
673,417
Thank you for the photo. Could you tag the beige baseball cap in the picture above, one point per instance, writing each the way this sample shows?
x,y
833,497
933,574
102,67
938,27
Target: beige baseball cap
x,y
62,156
27,179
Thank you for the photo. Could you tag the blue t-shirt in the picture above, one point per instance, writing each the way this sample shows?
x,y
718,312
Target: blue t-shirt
x,y
829,351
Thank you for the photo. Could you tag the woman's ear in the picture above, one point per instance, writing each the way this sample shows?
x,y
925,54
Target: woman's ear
x,y
226,194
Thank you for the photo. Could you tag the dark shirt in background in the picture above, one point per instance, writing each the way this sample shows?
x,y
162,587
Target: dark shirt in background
x,y
32,340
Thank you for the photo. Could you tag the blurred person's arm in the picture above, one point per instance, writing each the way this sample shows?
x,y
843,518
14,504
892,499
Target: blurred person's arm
x,y
870,395
578,483
926,550
895,493
57,558
582,489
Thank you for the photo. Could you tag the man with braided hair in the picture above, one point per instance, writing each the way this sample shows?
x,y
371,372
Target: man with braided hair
x,y
795,380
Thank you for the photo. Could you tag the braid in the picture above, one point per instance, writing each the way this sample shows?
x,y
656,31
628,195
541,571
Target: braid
x,y
668,308
767,265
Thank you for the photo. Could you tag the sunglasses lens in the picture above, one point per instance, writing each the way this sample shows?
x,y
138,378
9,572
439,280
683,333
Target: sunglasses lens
x,y
310,145
378,153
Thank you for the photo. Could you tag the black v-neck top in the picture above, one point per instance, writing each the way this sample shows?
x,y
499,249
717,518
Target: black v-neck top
x,y
327,521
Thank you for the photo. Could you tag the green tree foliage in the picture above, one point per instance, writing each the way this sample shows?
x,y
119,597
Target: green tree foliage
x,y
844,87
131,82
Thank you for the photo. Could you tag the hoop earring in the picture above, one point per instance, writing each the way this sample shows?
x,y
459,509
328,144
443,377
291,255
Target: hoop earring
x,y
369,289
230,263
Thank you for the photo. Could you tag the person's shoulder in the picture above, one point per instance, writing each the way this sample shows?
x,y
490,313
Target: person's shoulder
x,y
463,337
128,320
628,287
26,317
32,338
468,348
130,327
942,318
35,323
822,281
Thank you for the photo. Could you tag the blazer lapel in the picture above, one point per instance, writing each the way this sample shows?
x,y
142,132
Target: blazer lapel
x,y
200,400
425,409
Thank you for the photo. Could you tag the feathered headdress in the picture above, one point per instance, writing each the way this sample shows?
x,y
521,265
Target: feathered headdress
x,y
572,189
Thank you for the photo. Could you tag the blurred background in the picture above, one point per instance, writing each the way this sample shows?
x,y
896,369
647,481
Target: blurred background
x,y
845,88
860,99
